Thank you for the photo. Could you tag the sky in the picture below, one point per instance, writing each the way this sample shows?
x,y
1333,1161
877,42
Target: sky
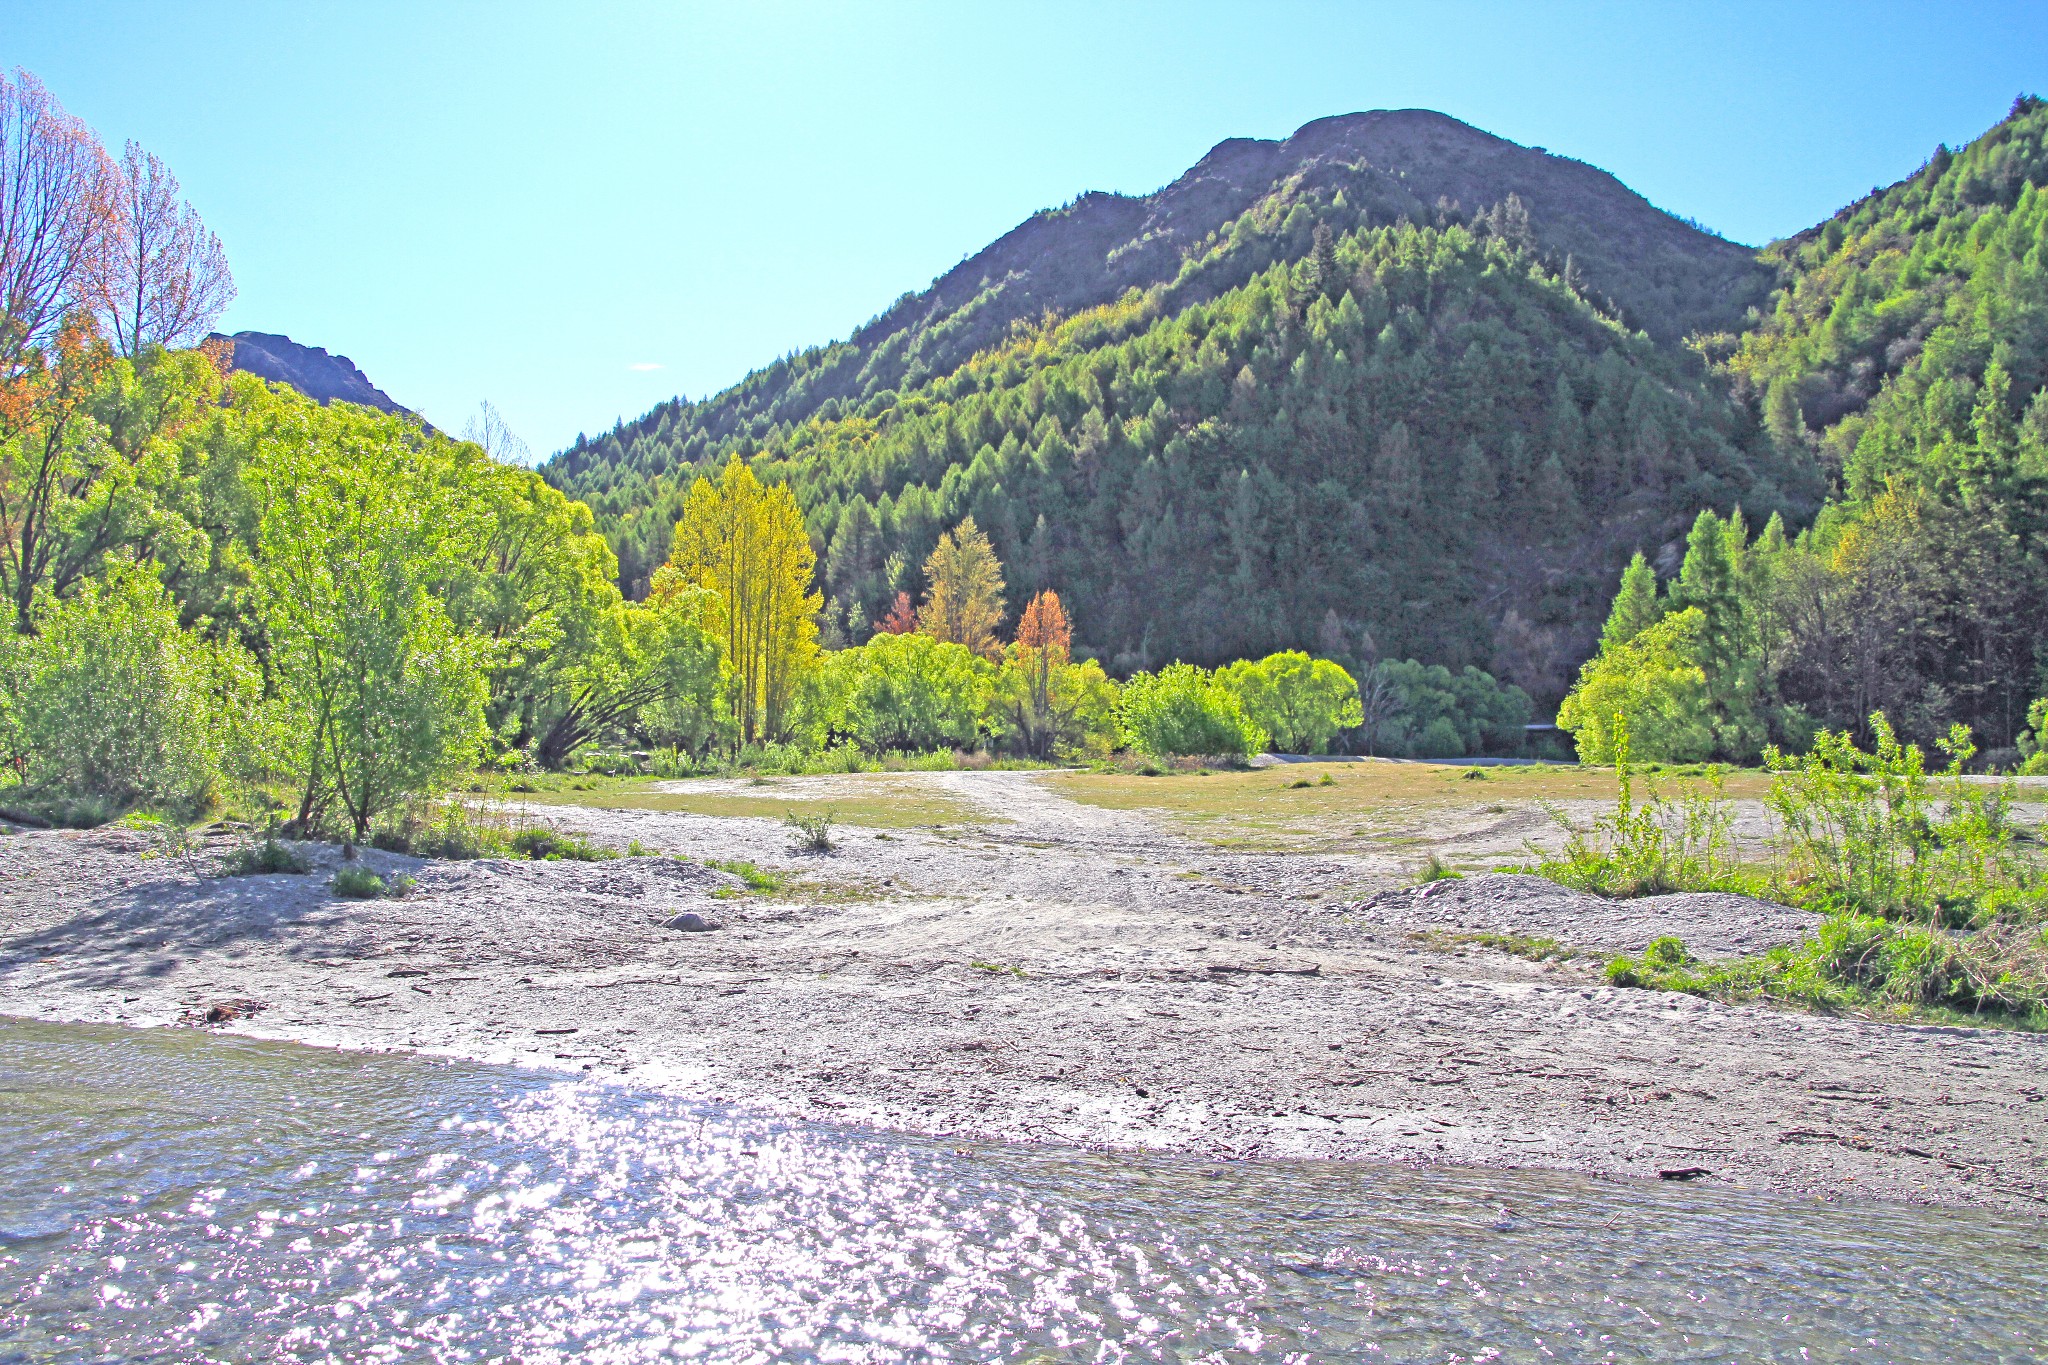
x,y
577,211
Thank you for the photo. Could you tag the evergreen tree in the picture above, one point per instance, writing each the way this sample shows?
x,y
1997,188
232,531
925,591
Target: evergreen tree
x,y
1636,608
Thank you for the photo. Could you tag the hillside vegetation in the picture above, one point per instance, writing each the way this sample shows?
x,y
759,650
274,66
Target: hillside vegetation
x,y
1347,418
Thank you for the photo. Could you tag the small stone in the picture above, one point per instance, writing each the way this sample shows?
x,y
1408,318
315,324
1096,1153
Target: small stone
x,y
690,922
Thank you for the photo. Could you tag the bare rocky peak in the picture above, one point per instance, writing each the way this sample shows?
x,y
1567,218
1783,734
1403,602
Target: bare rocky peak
x,y
309,369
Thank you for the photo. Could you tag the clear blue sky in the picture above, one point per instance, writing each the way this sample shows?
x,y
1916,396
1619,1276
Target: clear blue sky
x,y
579,210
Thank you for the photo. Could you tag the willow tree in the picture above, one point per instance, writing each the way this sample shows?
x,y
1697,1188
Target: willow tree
x,y
746,543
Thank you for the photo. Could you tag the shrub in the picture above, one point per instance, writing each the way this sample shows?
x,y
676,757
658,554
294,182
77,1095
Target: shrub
x,y
1182,711
1855,961
911,692
1872,833
550,845
813,831
454,830
1661,845
114,703
1932,901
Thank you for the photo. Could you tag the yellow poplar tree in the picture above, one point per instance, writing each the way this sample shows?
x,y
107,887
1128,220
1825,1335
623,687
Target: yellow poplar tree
x,y
746,543
964,603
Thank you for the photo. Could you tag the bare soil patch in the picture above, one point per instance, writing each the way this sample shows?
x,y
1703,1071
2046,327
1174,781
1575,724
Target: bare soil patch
x,y
1054,970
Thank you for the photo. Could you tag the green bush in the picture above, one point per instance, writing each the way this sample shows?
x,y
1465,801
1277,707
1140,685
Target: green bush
x,y
114,705
1933,900
906,691
1873,833
266,855
1646,849
2033,741
552,845
813,831
1864,962
1182,711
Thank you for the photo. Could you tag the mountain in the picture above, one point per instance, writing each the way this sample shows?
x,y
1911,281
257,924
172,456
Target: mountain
x,y
1391,385
309,369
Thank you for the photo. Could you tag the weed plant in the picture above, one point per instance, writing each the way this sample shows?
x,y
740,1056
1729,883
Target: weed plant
x,y
1662,844
813,831
259,857
353,881
457,830
1437,870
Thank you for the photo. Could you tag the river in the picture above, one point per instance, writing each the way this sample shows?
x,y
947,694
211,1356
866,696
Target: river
x,y
172,1195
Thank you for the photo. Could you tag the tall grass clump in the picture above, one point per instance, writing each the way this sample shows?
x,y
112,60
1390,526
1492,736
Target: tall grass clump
x,y
455,829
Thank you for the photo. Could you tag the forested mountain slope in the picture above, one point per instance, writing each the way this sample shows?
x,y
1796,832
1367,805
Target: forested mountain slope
x,y
1299,397
1908,349
1649,268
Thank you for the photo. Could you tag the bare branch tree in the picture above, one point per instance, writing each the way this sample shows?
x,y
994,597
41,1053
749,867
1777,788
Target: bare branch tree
x,y
54,205
489,430
159,278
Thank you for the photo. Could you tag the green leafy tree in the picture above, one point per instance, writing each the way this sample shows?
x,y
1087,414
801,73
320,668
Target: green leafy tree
x,y
684,666
1655,687
382,693
745,542
1301,703
1182,711
1433,712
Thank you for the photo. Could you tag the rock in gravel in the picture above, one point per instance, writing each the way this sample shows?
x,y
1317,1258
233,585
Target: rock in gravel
x,y
690,922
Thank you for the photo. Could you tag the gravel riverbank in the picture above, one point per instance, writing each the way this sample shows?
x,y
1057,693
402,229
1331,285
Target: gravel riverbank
x,y
1060,973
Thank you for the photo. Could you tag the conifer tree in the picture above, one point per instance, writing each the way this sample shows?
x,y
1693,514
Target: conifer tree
x,y
1636,608
963,601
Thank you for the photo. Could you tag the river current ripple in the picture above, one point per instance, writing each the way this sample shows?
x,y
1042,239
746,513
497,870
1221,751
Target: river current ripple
x,y
173,1196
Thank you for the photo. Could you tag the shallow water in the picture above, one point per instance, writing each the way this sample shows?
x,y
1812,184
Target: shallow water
x,y
175,1196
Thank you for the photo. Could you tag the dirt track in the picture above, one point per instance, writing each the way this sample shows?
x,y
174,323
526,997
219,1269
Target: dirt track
x,y
1062,973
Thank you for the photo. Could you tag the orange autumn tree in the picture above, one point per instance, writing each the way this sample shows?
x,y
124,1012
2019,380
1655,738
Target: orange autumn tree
x,y
1043,699
963,603
1044,638
902,617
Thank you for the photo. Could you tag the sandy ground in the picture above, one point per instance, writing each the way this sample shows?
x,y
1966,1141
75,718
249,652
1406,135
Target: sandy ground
x,y
1061,973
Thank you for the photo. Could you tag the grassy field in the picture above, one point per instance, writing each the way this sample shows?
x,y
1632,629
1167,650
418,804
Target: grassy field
x,y
1336,807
